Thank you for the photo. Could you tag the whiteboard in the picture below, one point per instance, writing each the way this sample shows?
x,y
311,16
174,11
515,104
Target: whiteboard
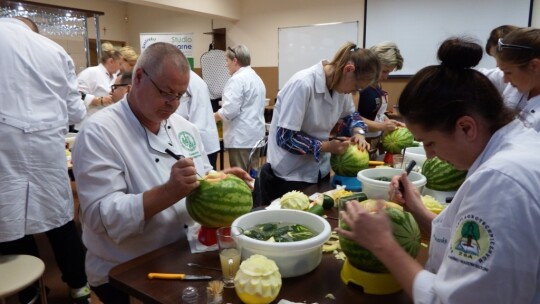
x,y
418,27
303,46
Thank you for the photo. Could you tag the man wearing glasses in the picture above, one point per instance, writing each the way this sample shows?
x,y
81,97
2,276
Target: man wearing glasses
x,y
131,190
121,86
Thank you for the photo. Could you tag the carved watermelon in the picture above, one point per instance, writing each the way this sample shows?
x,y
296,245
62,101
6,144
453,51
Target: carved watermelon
x,y
406,232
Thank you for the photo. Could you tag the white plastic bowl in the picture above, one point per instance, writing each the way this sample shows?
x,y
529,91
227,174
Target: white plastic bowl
x,y
292,258
376,189
418,154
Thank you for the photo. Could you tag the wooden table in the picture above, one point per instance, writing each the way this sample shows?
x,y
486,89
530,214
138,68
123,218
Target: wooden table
x,y
131,276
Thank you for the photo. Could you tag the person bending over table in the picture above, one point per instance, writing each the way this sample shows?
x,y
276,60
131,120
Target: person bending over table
x,y
308,107
132,193
518,56
484,246
373,100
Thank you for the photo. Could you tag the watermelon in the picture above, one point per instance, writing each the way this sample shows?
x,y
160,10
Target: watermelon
x,y
219,200
442,176
397,140
406,232
350,162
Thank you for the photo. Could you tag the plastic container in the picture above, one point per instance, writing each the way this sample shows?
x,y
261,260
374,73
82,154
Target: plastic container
x,y
418,154
376,189
292,258
190,295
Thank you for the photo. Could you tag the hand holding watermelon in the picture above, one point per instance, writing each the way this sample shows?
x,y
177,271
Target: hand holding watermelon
x,y
242,174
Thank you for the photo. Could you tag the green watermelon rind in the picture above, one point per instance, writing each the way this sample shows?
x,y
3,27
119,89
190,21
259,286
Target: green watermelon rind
x,y
442,176
347,164
397,140
213,207
406,232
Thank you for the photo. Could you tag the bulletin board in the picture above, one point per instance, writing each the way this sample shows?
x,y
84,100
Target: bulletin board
x,y
418,27
303,46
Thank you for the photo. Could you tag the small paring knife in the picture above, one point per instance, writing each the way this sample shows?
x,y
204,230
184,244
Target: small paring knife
x,y
407,170
177,276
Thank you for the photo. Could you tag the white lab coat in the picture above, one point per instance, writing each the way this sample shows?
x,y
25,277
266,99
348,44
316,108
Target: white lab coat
x,y
305,104
496,76
114,162
242,109
94,82
39,100
529,109
499,206
198,110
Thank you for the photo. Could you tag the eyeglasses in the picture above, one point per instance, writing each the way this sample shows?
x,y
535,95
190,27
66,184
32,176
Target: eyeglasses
x,y
501,45
232,51
167,96
116,86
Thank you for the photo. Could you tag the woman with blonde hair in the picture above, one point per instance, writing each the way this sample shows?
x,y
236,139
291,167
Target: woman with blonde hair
x,y
373,100
129,58
95,82
308,107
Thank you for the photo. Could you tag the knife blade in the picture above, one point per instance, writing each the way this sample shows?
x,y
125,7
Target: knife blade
x,y
177,276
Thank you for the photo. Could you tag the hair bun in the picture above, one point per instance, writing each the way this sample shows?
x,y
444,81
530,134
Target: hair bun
x,y
460,53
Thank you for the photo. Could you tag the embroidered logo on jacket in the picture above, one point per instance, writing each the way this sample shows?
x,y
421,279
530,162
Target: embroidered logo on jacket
x,y
472,243
187,141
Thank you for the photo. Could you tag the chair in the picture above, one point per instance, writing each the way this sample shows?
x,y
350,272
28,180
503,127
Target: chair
x,y
257,157
18,272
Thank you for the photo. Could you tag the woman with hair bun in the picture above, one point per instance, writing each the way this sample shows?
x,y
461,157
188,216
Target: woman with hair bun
x,y
484,247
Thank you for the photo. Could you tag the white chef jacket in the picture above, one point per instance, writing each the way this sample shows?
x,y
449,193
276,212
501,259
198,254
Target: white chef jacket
x,y
485,246
39,100
115,160
497,78
529,109
198,110
242,109
305,104
95,81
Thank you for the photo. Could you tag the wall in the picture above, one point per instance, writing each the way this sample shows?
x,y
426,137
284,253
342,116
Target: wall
x,y
257,27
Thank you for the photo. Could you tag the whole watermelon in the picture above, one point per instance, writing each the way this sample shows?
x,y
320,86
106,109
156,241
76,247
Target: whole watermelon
x,y
442,176
219,200
397,140
405,229
350,162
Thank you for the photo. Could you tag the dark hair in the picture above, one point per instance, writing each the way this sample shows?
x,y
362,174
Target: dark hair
x,y
367,64
126,77
527,40
438,95
496,33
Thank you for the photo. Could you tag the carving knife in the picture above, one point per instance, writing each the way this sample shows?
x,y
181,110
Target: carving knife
x,y
177,276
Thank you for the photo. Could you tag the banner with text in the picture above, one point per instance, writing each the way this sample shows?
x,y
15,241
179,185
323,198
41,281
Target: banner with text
x,y
183,42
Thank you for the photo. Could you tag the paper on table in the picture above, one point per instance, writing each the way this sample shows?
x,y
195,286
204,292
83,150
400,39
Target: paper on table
x,y
276,204
194,244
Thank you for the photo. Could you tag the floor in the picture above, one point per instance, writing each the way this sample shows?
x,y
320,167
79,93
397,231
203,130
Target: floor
x,y
58,290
